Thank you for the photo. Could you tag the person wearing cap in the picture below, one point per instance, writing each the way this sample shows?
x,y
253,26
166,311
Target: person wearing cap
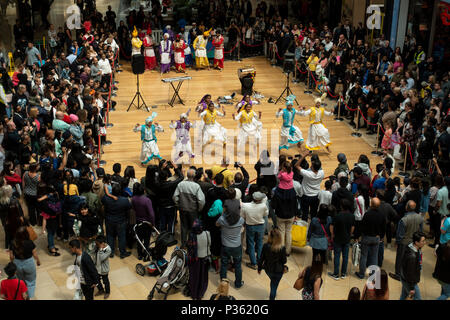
x,y
183,139
212,129
76,129
343,166
318,135
201,56
249,126
254,214
149,52
178,47
150,149
290,134
166,53
218,50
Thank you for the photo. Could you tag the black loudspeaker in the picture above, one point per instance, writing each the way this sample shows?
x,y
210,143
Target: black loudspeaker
x,y
289,63
138,64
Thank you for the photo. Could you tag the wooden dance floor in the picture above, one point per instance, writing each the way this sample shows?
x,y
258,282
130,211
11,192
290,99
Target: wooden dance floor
x,y
270,82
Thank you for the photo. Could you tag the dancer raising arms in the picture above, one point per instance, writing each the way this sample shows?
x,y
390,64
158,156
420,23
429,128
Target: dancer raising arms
x,y
150,149
212,129
290,134
246,100
203,104
248,125
183,139
318,135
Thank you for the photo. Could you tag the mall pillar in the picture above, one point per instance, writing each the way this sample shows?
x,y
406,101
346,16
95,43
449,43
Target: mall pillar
x,y
433,28
402,25
394,23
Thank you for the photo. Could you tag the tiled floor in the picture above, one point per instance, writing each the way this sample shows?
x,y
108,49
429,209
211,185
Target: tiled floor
x,y
52,277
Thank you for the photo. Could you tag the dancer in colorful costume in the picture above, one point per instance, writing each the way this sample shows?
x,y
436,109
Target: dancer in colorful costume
x,y
211,128
149,52
183,140
290,134
318,135
150,149
166,52
178,47
201,55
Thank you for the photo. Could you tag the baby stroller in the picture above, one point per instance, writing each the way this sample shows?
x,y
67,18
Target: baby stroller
x,y
155,254
175,276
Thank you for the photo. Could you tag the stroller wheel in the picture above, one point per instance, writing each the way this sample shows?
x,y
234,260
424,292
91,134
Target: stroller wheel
x,y
140,269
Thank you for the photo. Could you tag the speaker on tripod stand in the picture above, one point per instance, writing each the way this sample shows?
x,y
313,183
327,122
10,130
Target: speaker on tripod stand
x,y
288,68
138,67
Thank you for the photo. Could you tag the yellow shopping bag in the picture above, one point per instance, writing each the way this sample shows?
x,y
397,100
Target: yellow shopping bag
x,y
299,232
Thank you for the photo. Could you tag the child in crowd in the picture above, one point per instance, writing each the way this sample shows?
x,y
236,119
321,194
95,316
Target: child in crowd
x,y
102,263
325,195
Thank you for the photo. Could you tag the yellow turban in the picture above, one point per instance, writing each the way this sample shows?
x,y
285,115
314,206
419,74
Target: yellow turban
x,y
135,32
206,33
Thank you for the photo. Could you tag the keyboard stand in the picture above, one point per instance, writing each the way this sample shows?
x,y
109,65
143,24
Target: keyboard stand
x,y
176,93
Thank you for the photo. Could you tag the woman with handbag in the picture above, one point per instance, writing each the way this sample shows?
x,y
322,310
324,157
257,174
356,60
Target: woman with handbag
x,y
50,209
273,259
319,233
23,253
310,280
199,254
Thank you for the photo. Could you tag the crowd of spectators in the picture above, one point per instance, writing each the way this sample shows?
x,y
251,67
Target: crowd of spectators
x,y
57,107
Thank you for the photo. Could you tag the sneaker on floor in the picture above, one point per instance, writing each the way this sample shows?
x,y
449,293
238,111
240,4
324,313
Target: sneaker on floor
x,y
242,284
343,276
333,276
251,266
106,296
126,254
359,276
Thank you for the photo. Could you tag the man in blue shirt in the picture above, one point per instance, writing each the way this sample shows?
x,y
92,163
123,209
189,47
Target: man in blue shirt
x,y
33,55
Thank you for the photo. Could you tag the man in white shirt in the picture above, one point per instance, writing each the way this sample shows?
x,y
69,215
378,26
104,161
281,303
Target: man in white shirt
x,y
254,213
328,43
312,179
105,68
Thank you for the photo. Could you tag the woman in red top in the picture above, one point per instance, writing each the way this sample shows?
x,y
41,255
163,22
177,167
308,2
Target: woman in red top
x,y
13,288
11,177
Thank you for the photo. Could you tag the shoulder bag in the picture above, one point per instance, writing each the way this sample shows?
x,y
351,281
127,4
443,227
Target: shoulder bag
x,y
31,233
17,290
330,243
